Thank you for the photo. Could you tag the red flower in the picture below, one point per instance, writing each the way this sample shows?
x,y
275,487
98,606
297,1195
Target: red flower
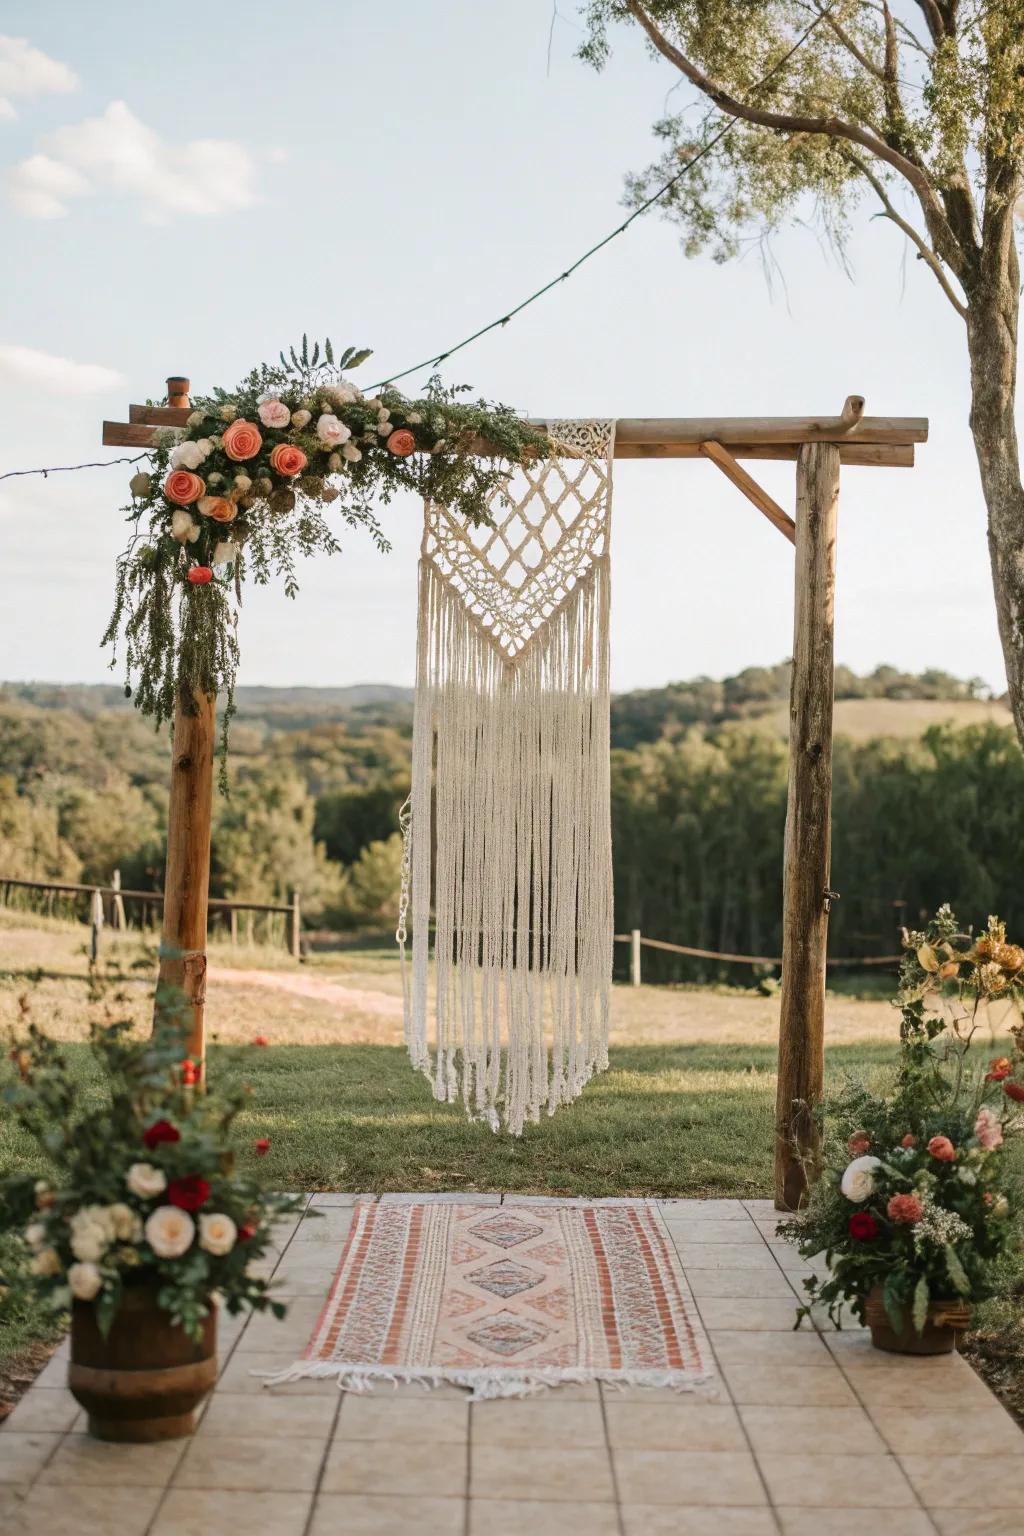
x,y
1014,1091
859,1143
998,1068
905,1210
189,1193
863,1226
942,1149
262,1146
909,1140
246,1233
199,575
402,443
189,1073
260,1040
160,1131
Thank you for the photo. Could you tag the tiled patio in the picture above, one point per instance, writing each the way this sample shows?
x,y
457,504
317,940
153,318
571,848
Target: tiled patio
x,y
808,1434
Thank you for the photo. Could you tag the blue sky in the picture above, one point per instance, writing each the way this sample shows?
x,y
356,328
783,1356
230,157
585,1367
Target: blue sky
x,y
396,176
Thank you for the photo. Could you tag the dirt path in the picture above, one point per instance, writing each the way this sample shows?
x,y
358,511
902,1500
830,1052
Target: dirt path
x,y
316,988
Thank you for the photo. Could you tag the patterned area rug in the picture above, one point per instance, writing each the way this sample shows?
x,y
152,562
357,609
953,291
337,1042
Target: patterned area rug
x,y
507,1300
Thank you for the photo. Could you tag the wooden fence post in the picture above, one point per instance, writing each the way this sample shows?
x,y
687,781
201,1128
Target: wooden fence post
x,y
808,824
117,915
95,924
296,927
634,956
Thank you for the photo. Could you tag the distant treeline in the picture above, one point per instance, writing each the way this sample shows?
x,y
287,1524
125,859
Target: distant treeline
x,y
698,808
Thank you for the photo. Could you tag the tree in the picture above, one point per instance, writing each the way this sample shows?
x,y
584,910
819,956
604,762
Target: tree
x,y
840,100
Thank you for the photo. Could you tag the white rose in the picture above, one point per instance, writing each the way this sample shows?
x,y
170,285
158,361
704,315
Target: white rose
x,y
187,455
184,527
35,1234
301,419
217,1233
84,1280
384,427
145,1181
89,1243
90,1216
45,1263
205,446
228,413
243,483
858,1181
126,1223
331,431
352,453
169,1232
347,393
274,413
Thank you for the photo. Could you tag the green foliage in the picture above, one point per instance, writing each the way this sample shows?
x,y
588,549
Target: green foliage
x,y
114,1159
252,514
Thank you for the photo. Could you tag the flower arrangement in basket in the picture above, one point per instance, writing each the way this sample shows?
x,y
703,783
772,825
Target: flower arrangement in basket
x,y
141,1208
913,1208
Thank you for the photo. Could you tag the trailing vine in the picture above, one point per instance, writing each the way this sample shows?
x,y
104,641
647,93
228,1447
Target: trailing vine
x,y
264,474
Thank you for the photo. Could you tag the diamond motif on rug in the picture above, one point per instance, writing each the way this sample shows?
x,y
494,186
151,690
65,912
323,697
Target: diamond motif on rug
x,y
595,1293
505,1278
506,1334
506,1231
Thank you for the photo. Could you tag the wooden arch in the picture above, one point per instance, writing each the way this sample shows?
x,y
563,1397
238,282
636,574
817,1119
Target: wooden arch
x,y
820,446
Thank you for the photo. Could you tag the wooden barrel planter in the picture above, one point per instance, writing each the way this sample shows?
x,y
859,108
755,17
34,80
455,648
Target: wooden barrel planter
x,y
143,1381
945,1322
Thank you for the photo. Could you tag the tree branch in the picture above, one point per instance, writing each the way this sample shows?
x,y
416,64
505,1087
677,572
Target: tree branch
x,y
831,127
935,19
851,45
925,252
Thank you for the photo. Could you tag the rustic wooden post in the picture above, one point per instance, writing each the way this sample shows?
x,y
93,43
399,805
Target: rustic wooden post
x,y
808,822
117,914
189,813
634,956
295,919
95,924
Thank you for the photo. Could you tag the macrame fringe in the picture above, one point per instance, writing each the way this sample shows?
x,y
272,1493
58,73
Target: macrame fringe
x,y
483,1384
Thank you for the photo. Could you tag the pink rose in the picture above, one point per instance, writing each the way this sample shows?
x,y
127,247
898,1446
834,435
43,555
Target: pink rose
x,y
274,413
859,1143
241,440
183,487
988,1129
942,1149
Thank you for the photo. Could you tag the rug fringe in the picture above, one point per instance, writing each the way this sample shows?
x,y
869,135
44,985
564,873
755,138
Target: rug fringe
x,y
483,1384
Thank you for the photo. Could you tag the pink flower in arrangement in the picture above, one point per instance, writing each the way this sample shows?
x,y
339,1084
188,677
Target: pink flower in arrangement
x,y
241,440
402,443
183,487
988,1129
275,414
909,1140
200,575
288,460
859,1143
219,508
906,1210
942,1149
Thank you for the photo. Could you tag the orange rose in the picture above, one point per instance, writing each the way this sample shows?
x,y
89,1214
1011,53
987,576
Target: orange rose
x,y
241,440
288,460
401,442
183,487
219,508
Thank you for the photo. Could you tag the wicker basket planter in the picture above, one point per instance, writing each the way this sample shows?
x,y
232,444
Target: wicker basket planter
x,y
946,1321
143,1381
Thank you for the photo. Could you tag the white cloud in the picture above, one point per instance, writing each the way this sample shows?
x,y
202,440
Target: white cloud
x,y
27,71
117,152
56,375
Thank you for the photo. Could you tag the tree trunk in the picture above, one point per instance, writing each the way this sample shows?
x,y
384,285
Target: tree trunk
x,y
992,342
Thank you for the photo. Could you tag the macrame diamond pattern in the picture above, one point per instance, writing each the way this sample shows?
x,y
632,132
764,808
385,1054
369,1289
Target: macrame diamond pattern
x,y
550,526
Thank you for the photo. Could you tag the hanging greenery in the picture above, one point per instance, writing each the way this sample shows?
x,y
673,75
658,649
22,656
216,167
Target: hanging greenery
x,y
265,473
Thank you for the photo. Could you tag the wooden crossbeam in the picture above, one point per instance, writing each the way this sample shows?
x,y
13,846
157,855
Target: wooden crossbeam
x,y
633,440
750,488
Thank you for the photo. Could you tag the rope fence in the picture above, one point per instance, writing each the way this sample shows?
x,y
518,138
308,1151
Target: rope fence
x,y
636,940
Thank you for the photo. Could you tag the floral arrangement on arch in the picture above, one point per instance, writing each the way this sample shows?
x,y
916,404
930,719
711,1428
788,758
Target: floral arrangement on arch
x,y
142,1183
266,473
917,1196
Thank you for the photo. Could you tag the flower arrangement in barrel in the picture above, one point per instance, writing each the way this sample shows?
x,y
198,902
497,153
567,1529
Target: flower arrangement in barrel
x,y
144,1181
268,472
918,1196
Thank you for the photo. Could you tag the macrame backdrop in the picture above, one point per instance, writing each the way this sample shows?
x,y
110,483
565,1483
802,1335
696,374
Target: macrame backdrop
x,y
507,827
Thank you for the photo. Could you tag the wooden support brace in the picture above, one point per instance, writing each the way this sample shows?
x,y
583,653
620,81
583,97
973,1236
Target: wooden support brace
x,y
750,488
